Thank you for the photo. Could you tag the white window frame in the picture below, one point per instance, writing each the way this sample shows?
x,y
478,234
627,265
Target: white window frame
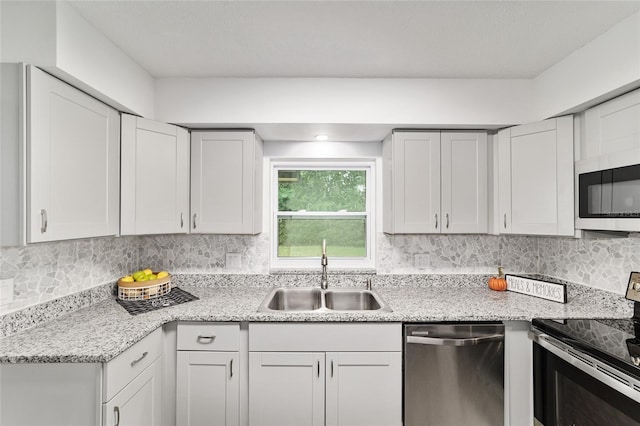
x,y
359,263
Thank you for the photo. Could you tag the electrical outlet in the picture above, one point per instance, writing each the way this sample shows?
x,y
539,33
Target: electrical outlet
x,y
6,291
421,261
233,261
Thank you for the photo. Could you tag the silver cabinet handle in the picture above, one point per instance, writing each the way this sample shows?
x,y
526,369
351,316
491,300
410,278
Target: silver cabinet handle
x,y
318,368
135,361
331,368
231,368
447,215
437,341
195,223
45,221
116,416
210,338
436,220
181,220
505,221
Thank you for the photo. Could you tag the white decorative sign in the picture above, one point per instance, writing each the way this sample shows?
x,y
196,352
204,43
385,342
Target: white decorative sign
x,y
533,287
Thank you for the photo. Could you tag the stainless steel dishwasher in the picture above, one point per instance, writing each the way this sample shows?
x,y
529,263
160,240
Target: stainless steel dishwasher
x,y
454,374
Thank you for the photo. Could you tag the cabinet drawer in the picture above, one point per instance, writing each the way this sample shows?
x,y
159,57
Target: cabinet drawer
x,y
125,367
202,336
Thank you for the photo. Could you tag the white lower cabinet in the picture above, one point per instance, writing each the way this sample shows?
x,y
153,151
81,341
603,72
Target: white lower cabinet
x,y
208,374
363,388
325,374
127,390
286,388
139,403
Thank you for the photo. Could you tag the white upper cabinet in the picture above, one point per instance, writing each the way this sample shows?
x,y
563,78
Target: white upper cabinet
x,y
612,132
155,177
435,182
226,182
464,182
536,178
73,156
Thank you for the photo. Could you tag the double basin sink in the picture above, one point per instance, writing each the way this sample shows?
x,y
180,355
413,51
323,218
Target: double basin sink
x,y
314,299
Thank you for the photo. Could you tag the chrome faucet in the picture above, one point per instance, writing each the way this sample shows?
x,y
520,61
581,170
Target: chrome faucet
x,y
323,261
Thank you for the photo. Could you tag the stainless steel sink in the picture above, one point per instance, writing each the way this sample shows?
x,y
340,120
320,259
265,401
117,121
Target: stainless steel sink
x,y
351,300
313,299
294,299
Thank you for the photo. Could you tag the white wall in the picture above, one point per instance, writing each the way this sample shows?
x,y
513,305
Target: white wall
x,y
429,102
605,67
53,36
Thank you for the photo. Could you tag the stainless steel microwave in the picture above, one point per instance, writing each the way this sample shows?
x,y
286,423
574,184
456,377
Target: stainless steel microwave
x,y
609,199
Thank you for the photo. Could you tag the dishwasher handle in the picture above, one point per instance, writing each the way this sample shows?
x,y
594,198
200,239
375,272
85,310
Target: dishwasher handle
x,y
441,341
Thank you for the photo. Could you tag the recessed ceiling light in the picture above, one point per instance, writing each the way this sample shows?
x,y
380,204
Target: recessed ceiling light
x,y
322,137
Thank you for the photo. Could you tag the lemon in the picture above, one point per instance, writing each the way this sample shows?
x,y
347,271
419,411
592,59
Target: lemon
x,y
127,279
163,274
152,277
148,271
138,274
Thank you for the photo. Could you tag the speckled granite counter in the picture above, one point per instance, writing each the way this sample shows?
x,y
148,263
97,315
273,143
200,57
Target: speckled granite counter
x,y
100,332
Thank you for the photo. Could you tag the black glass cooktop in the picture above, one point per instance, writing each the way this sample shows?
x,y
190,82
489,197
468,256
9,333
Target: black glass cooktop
x,y
612,341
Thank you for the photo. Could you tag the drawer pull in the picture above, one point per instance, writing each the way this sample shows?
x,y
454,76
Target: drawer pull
x,y
331,368
206,339
116,416
318,368
231,368
135,361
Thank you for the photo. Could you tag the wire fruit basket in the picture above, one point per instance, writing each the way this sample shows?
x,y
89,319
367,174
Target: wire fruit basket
x,y
144,290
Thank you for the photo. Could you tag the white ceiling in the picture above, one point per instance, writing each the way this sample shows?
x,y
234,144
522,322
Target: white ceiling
x,y
430,39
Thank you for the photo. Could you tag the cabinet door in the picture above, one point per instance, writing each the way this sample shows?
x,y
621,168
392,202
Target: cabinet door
x,y
542,178
464,182
286,388
155,177
612,129
225,182
139,402
73,156
416,183
207,388
364,388
504,181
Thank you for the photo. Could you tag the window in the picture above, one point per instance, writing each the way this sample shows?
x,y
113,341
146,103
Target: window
x,y
316,201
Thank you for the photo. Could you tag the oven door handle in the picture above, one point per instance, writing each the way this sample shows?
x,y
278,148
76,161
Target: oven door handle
x,y
441,341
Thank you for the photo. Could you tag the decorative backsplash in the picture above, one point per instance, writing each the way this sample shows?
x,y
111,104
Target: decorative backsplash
x,y
43,272
600,263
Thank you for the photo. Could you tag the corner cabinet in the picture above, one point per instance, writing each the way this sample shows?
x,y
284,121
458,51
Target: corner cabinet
x,y
435,182
126,391
226,182
535,178
155,178
72,162
325,374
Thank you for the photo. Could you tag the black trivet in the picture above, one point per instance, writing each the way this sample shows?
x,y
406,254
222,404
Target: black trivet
x,y
175,297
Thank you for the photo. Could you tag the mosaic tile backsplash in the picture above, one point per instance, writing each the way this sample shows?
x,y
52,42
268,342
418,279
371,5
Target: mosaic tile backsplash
x,y
600,263
44,272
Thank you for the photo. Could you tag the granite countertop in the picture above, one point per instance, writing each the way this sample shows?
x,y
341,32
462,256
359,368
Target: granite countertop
x,y
100,332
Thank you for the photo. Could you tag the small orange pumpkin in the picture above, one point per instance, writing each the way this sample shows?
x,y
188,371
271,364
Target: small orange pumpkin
x,y
498,283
